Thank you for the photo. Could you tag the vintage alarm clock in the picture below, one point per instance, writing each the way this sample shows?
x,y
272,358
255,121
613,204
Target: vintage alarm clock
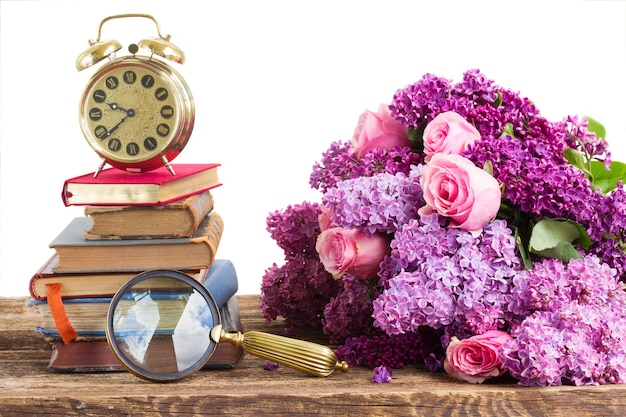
x,y
136,112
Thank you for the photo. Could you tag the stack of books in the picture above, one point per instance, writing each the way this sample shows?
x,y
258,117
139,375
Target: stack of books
x,y
133,222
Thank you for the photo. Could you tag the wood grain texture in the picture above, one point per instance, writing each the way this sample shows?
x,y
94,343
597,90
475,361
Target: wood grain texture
x,y
27,388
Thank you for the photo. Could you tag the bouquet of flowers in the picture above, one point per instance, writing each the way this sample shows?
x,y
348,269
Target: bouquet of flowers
x,y
462,231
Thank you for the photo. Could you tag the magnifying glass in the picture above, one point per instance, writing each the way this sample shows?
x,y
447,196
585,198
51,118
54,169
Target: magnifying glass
x,y
163,325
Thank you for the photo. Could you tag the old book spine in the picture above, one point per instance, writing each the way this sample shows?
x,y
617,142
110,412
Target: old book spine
x,y
138,222
200,207
211,234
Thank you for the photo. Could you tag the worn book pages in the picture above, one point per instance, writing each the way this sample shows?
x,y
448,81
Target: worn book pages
x,y
85,284
76,254
178,219
117,187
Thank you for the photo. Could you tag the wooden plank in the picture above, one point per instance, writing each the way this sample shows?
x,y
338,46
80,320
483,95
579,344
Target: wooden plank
x,y
27,388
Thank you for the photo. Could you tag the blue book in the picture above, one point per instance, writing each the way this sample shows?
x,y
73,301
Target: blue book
x,y
88,315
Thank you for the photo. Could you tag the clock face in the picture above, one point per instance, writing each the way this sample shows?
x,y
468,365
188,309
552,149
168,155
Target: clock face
x,y
135,111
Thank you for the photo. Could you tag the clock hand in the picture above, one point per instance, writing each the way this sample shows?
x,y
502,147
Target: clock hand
x,y
114,128
114,106
129,113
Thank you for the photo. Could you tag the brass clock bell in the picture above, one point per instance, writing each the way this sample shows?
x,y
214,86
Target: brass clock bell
x,y
136,112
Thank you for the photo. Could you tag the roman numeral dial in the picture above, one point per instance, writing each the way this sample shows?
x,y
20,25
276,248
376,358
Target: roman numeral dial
x,y
131,112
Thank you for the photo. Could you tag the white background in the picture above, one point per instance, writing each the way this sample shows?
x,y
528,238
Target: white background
x,y
275,82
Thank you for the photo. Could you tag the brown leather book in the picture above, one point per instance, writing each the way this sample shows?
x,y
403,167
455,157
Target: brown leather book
x,y
178,219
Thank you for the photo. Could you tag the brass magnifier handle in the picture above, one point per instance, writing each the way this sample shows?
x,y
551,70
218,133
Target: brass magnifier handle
x,y
310,358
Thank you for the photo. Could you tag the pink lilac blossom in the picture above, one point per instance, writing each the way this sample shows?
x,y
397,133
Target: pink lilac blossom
x,y
379,203
576,326
446,275
382,375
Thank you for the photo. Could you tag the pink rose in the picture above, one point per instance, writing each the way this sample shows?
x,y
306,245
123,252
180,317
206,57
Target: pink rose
x,y
456,188
377,130
449,133
325,218
350,251
475,359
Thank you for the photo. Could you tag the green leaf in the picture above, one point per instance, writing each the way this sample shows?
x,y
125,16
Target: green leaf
x,y
607,180
578,160
555,238
595,127
370,287
528,263
563,251
488,167
508,131
498,101
416,138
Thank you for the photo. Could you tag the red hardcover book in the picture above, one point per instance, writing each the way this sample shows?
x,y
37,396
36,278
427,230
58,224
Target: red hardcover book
x,y
114,186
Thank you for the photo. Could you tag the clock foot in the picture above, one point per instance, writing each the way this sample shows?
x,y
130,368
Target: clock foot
x,y
102,164
167,165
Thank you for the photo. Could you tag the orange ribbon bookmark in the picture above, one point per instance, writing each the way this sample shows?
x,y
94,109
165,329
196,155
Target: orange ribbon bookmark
x,y
65,328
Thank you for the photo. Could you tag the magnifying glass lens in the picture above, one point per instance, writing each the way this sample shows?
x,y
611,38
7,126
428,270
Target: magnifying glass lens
x,y
159,326
163,325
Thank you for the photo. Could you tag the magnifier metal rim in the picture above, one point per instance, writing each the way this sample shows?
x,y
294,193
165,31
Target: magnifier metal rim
x,y
143,373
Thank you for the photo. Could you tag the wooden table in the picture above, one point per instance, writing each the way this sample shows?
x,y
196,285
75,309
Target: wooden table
x,y
27,388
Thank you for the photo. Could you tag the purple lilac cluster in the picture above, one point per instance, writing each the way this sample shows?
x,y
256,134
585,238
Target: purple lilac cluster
x,y
575,327
539,181
382,375
569,321
378,203
419,103
607,228
349,312
588,142
525,149
339,164
527,154
300,289
533,181
295,229
446,276
394,351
